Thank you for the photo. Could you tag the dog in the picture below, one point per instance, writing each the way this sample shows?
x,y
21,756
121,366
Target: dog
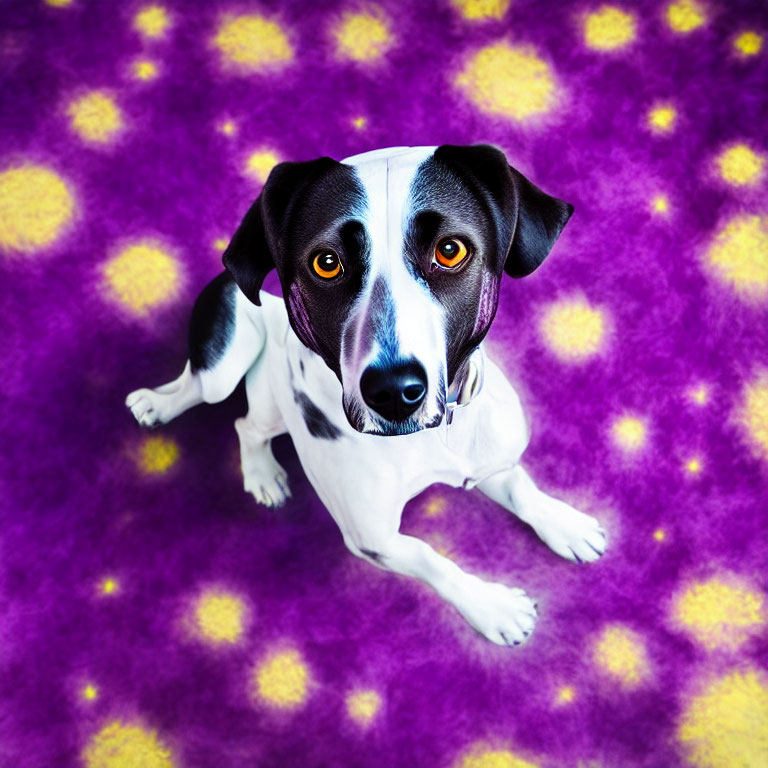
x,y
390,264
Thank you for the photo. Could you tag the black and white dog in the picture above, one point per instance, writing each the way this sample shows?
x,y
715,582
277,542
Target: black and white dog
x,y
390,264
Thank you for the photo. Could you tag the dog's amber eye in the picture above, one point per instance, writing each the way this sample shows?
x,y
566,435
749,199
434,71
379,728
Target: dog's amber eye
x,y
450,252
326,264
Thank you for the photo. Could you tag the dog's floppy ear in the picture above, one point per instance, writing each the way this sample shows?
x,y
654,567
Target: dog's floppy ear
x,y
255,246
529,221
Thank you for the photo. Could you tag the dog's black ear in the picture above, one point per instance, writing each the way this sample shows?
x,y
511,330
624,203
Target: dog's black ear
x,y
254,247
540,220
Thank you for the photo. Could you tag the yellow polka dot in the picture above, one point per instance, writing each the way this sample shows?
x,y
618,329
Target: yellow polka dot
x,y
748,43
662,118
476,10
629,433
362,36
435,507
608,29
152,21
620,653
573,330
144,69
58,3
363,706
95,117
157,455
480,757
684,16
227,127
753,413
220,244
565,695
142,276
360,122
726,726
109,586
35,206
252,43
720,613
659,534
282,680
260,163
123,745
660,204
699,394
219,617
510,81
693,466
90,692
738,256
739,165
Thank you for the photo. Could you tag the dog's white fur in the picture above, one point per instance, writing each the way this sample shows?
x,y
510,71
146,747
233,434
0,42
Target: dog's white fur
x,y
365,480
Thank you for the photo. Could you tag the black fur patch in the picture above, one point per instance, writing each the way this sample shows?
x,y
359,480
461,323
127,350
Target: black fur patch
x,y
212,323
317,422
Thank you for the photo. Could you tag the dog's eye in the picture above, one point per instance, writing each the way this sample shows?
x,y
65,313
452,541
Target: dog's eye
x,y
450,252
326,264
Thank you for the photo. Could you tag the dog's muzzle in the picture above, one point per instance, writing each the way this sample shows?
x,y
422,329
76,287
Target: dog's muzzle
x,y
396,392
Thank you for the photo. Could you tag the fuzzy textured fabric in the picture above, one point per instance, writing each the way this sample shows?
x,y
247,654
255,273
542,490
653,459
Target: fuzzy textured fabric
x,y
153,615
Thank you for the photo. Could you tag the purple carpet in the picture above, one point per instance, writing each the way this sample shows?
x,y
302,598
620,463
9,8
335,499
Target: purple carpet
x,y
153,615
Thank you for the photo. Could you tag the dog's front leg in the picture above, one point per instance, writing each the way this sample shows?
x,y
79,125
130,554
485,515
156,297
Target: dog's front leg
x,y
565,530
505,616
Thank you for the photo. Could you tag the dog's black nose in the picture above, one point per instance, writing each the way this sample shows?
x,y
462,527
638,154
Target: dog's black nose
x,y
395,392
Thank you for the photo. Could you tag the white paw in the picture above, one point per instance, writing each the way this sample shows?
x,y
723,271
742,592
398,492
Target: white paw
x,y
145,406
265,479
568,532
504,615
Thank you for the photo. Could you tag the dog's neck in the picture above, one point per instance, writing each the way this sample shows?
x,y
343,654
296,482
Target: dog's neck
x,y
466,384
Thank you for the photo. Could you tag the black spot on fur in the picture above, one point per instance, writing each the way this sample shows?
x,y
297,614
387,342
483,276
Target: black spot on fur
x,y
212,323
317,422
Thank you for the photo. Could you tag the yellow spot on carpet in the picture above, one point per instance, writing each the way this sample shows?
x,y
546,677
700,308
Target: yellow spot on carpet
x,y
219,617
360,122
739,165
629,433
748,43
362,36
228,127
565,695
573,330
260,163
659,534
739,256
220,243
282,680
684,16
90,692
608,29
693,466
144,69
660,204
126,745
363,706
662,118
753,414
699,394
479,757
35,206
720,613
482,9
726,726
253,43
157,454
620,653
95,117
152,21
435,507
142,276
109,586
58,3
510,81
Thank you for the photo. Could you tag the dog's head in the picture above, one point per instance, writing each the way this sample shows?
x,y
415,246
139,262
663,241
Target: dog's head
x,y
390,264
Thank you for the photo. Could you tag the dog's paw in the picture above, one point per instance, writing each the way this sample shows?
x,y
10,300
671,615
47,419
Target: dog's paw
x,y
568,532
144,404
504,615
266,480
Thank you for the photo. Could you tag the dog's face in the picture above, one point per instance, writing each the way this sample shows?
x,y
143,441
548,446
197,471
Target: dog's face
x,y
390,264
